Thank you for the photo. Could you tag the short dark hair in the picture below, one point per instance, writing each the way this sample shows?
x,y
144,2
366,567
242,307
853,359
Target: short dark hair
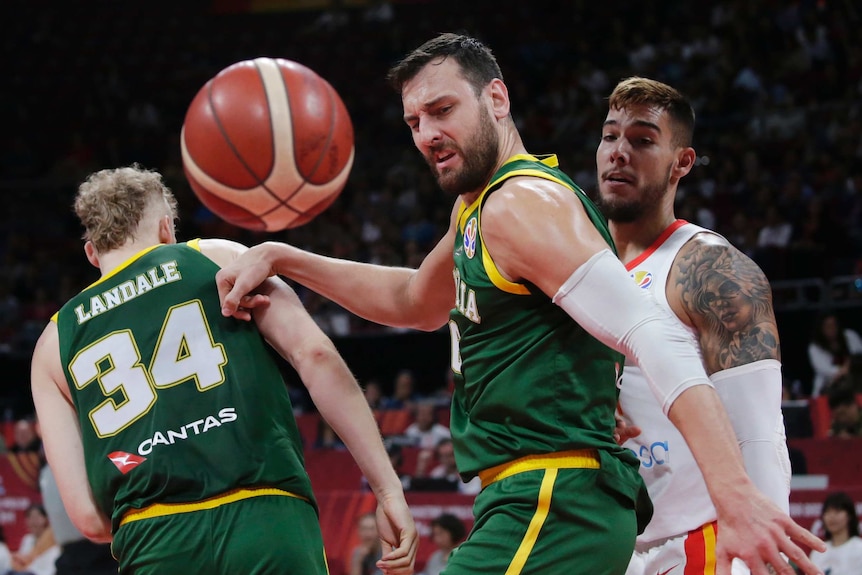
x,y
477,63
842,502
452,524
637,91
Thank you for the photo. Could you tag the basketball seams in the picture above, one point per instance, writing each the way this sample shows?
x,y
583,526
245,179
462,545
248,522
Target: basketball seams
x,y
281,192
284,166
225,136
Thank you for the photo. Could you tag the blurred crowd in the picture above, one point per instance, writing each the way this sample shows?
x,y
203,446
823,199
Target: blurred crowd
x,y
777,88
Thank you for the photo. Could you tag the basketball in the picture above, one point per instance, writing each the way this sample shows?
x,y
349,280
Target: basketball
x,y
267,144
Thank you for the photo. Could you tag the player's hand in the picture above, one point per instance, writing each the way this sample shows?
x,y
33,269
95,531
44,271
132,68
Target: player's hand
x,y
239,279
247,303
757,532
623,431
398,535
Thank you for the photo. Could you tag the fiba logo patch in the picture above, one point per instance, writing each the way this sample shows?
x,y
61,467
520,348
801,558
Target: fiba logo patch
x,y
642,279
470,238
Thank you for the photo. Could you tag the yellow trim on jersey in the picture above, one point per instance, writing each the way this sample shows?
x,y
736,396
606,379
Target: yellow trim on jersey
x,y
487,262
532,534
574,459
163,509
194,244
497,278
550,161
123,265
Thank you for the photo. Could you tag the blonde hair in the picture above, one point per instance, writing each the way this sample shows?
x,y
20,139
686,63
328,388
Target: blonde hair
x,y
637,91
112,203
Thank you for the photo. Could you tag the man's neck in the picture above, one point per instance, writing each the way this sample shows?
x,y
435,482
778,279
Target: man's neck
x,y
510,146
111,260
633,238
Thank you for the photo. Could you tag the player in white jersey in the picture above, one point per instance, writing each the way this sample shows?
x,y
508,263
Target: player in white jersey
x,y
724,302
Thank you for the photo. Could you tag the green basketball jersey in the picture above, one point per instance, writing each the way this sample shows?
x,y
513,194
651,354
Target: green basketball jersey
x,y
176,403
528,379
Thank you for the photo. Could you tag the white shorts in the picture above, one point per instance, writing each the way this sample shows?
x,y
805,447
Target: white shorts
x,y
689,554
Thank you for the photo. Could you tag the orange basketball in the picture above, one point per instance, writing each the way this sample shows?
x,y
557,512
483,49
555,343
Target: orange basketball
x,y
267,144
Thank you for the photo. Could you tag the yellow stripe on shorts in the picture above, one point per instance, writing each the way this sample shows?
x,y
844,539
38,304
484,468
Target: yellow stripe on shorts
x,y
575,459
163,509
532,534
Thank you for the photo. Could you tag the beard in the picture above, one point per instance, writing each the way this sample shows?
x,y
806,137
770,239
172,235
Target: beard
x,y
626,211
479,156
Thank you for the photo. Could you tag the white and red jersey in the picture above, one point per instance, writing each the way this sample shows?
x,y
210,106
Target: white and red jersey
x,y
674,480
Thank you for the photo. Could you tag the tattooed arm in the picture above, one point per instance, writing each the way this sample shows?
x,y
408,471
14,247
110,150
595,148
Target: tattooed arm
x,y
727,298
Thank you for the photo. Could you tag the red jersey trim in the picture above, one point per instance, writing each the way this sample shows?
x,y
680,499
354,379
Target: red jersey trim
x,y
656,244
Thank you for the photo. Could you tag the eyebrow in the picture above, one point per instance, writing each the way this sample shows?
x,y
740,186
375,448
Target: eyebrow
x,y
426,105
639,123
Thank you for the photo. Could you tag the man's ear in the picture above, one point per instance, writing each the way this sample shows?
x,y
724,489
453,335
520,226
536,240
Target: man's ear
x,y
499,93
684,163
167,233
92,254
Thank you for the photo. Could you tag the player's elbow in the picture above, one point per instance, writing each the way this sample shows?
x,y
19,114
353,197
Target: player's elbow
x,y
429,324
316,358
92,524
427,317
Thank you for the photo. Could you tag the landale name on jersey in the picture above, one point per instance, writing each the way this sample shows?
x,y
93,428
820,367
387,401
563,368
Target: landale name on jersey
x,y
169,437
151,279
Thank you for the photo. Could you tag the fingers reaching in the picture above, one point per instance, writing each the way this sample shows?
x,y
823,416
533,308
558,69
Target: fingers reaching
x,y
400,538
790,548
399,560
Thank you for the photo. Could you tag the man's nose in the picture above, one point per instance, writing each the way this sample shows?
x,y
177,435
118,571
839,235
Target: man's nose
x,y
429,133
620,152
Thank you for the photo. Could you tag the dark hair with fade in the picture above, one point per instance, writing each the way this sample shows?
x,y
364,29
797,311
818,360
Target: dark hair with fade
x,y
477,63
637,91
841,502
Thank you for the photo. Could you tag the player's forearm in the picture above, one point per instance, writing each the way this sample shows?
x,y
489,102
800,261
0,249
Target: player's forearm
x,y
341,403
376,293
751,396
700,417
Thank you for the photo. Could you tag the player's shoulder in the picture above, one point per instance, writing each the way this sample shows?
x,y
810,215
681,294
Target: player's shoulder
x,y
528,193
219,250
706,245
707,239
48,342
708,262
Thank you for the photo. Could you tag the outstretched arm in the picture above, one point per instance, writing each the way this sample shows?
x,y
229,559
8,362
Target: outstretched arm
x,y
62,438
400,297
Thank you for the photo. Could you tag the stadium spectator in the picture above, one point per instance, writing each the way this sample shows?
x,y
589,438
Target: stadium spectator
x,y
425,431
403,395
846,419
447,531
843,554
831,350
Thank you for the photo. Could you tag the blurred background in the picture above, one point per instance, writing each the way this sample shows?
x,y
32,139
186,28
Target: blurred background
x,y
777,88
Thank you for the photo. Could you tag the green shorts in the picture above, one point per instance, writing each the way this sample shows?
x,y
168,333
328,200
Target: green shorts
x,y
261,535
553,521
